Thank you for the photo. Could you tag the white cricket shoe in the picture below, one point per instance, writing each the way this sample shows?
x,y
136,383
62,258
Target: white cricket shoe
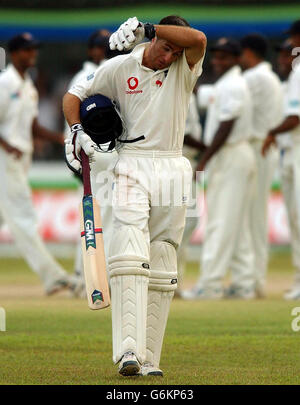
x,y
240,293
129,364
148,368
198,293
293,294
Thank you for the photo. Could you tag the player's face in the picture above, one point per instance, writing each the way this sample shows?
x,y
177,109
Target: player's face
x,y
222,61
163,53
245,58
26,57
284,61
97,54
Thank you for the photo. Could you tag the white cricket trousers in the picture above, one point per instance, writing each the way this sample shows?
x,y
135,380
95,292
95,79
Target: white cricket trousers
x,y
227,242
17,211
289,191
265,167
145,196
102,179
182,257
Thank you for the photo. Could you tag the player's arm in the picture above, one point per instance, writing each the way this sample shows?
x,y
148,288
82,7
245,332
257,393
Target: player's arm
x,y
71,108
292,113
132,32
288,124
4,102
220,137
194,143
193,41
41,132
10,149
100,82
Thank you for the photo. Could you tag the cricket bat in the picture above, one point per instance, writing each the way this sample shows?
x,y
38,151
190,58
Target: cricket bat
x,y
97,289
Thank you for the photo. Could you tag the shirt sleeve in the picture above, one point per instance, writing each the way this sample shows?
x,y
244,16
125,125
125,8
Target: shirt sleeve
x,y
231,102
191,75
100,82
204,94
4,101
293,95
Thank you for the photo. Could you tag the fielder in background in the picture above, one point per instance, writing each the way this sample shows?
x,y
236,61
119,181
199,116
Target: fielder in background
x,y
18,123
98,52
231,176
153,86
266,97
192,145
285,145
291,126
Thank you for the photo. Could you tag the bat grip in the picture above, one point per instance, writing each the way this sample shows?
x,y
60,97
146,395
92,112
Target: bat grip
x,y
87,190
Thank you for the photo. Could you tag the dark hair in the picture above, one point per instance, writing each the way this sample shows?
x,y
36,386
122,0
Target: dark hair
x,y
257,43
174,20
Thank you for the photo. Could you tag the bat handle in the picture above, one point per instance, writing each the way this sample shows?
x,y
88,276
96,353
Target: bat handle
x,y
87,190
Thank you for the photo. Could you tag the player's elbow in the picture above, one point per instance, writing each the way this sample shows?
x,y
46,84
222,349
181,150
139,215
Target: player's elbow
x,y
200,40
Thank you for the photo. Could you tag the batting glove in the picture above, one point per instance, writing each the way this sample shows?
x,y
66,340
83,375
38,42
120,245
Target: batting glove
x,y
73,145
131,33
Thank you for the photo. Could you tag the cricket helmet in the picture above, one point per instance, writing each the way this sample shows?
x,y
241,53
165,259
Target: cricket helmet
x,y
101,121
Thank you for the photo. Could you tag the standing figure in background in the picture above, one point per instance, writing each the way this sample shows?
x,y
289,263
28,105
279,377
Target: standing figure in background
x,y
290,125
18,124
231,176
98,53
266,97
285,145
192,145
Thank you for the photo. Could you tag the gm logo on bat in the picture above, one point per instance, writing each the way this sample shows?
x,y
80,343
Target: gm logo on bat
x,y
2,320
89,233
89,229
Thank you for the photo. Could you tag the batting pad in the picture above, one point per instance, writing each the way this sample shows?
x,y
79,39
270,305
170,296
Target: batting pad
x,y
129,276
162,283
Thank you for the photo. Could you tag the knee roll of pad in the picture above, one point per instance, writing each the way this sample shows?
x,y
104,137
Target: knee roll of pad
x,y
163,266
129,252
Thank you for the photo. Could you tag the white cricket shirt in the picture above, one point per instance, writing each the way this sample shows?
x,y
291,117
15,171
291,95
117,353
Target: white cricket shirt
x,y
18,108
284,140
293,100
266,98
230,99
192,128
204,94
152,103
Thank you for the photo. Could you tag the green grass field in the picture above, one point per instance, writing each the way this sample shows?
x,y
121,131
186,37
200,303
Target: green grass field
x,y
58,340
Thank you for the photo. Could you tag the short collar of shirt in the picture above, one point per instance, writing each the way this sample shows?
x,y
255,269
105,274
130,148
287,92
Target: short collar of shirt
x,y
17,75
234,71
138,53
88,65
262,65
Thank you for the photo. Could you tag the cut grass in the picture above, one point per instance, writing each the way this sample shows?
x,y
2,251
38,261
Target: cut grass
x,y
58,340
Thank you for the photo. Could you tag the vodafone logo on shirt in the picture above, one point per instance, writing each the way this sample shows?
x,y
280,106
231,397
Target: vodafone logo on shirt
x,y
133,83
